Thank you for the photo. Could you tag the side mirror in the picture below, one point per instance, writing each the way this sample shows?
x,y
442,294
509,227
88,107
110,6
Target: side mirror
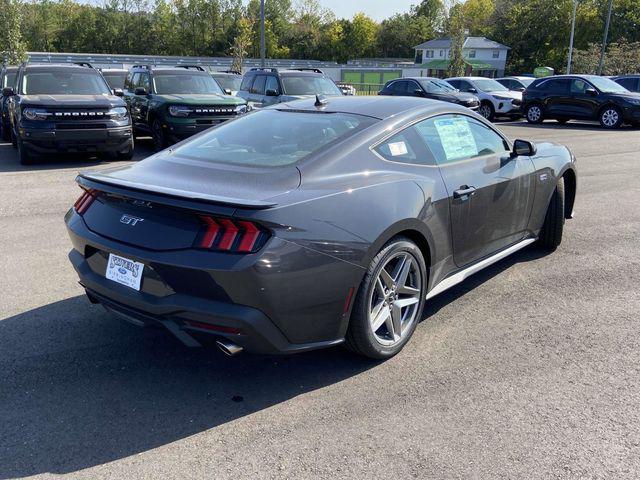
x,y
271,93
519,89
419,91
140,91
591,91
227,91
118,92
523,147
7,91
472,90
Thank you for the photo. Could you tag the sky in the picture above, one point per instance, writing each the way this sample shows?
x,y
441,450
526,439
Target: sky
x,y
376,9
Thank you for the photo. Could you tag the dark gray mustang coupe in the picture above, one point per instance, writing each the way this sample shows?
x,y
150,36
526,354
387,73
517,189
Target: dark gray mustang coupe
x,y
315,223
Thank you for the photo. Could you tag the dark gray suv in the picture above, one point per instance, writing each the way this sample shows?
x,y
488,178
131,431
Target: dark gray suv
x,y
267,86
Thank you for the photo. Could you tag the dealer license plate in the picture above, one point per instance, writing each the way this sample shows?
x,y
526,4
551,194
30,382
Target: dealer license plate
x,y
124,271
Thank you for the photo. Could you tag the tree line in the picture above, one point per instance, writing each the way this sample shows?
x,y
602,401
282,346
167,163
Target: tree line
x,y
536,30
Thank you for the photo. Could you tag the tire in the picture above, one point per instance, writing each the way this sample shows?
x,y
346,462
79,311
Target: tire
x,y
610,117
126,154
533,113
6,132
487,111
23,155
403,297
159,138
551,233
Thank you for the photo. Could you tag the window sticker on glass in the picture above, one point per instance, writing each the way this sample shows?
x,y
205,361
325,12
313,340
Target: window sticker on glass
x,y
456,138
398,148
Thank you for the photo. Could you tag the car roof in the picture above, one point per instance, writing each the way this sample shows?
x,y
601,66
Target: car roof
x,y
515,77
418,78
57,66
114,70
627,75
469,78
380,107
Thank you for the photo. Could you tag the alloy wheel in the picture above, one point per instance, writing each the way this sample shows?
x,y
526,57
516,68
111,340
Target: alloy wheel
x,y
395,298
485,111
533,113
610,117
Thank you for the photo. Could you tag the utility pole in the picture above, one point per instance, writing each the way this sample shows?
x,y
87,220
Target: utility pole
x,y
263,54
604,39
573,29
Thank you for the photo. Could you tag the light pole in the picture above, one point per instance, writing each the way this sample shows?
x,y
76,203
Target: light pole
x,y
573,29
604,38
263,55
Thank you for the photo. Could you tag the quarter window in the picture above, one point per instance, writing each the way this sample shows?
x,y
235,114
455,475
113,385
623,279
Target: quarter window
x,y
405,147
452,138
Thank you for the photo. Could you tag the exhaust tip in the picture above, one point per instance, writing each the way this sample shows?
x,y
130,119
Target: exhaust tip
x,y
228,347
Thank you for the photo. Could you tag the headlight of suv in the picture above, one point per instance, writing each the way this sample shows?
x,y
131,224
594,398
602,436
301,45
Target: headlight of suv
x,y
118,113
242,109
179,110
35,113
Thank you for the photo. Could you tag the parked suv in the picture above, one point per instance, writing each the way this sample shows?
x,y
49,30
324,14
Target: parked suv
x,y
66,108
581,97
173,103
630,82
228,80
495,100
115,77
7,79
267,86
429,87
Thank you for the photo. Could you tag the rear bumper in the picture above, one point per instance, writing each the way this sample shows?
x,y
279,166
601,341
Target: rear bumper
x,y
263,309
76,140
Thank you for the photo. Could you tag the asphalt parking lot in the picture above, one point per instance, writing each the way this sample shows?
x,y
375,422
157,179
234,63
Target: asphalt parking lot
x,y
529,369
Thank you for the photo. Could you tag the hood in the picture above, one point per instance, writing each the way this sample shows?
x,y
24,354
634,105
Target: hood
x,y
200,99
172,174
507,94
625,96
73,101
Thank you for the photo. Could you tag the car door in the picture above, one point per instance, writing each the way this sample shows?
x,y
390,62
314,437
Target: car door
x,y
144,100
132,99
490,191
556,97
583,99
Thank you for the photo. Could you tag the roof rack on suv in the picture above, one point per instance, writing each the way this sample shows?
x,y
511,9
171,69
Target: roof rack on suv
x,y
235,72
83,64
264,69
308,69
194,67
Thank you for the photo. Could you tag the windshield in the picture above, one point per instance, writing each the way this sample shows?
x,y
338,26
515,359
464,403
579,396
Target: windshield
x,y
9,79
180,83
309,85
272,138
488,85
607,85
87,82
229,82
437,86
115,79
526,81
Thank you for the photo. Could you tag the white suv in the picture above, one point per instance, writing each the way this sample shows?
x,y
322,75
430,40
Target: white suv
x,y
495,99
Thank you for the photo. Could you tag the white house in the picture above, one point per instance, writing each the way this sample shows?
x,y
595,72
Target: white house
x,y
483,57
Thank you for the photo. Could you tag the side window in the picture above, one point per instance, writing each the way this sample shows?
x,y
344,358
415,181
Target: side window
x,y
555,86
412,87
578,86
258,85
272,84
133,81
464,86
247,80
144,82
628,83
398,86
452,138
405,147
454,83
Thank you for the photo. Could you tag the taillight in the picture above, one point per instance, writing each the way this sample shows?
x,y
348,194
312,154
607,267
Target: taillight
x,y
84,202
224,234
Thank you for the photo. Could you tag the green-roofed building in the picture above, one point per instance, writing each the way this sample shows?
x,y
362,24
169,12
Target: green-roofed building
x,y
482,57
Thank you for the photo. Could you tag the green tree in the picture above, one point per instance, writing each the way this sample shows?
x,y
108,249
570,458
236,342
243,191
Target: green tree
x,y
13,50
241,43
456,31
361,36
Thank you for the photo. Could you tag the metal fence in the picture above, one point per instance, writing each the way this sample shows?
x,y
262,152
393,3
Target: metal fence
x,y
367,88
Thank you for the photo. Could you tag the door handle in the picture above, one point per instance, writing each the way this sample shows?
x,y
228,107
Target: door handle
x,y
464,191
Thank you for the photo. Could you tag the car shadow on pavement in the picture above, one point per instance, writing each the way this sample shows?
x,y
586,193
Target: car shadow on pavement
x,y
80,389
9,159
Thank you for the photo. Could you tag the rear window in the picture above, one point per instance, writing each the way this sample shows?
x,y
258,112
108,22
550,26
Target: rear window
x,y
272,138
229,82
309,85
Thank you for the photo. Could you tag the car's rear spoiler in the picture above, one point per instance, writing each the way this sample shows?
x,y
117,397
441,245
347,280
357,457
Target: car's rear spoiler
x,y
179,198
